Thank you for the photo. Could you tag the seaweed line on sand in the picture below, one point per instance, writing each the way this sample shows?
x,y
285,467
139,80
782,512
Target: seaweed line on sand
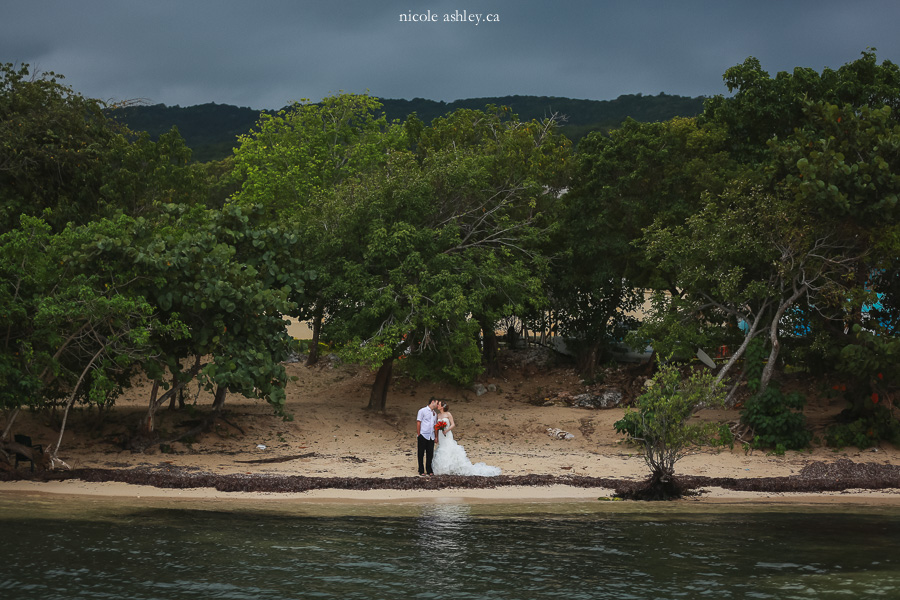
x,y
840,475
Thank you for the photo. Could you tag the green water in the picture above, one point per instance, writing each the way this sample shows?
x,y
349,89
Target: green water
x,y
95,548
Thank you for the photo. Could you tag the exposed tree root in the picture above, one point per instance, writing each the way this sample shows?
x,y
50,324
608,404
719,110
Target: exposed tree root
x,y
656,488
140,443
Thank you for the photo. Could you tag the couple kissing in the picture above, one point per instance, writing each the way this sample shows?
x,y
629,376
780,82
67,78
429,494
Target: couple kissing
x,y
434,424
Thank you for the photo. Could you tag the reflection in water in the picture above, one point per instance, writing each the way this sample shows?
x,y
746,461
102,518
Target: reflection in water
x,y
75,548
443,531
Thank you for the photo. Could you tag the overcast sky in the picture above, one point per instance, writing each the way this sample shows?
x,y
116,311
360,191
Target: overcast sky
x,y
268,53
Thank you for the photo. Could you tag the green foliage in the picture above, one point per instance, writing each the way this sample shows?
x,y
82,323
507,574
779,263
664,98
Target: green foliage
x,y
231,279
869,368
53,148
866,431
723,269
772,416
754,361
445,240
70,325
774,420
763,107
211,129
629,425
807,225
304,167
724,435
451,356
143,175
639,174
661,423
872,361
59,152
293,159
777,207
842,162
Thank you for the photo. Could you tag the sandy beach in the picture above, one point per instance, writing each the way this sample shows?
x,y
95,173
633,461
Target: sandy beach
x,y
332,435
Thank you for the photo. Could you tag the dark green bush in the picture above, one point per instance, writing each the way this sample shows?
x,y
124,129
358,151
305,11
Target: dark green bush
x,y
865,431
773,416
774,419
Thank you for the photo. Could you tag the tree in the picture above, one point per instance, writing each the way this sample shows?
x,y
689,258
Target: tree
x,y
763,107
661,424
640,174
805,227
300,153
291,166
53,146
842,166
144,175
745,260
231,279
60,152
399,290
514,173
69,331
74,329
447,241
128,270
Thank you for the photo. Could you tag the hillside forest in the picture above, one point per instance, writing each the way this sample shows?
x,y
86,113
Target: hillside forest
x,y
210,130
765,228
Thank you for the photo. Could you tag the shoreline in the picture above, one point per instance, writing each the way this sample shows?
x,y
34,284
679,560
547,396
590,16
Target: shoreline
x,y
821,483
561,494
337,451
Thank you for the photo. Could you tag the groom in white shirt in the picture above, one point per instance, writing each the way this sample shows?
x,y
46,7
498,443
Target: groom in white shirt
x,y
425,421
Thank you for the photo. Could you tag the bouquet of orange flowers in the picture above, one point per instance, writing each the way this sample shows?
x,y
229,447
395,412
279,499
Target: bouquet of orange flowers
x,y
440,426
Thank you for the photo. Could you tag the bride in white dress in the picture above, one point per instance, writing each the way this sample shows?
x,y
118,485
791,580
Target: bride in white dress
x,y
450,458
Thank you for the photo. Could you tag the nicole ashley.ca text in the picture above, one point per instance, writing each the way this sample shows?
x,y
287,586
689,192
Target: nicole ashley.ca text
x,y
457,16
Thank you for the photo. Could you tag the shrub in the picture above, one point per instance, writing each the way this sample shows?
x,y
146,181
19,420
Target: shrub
x,y
661,422
775,423
865,431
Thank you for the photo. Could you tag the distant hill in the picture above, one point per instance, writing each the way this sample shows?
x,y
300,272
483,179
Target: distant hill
x,y
577,112
211,130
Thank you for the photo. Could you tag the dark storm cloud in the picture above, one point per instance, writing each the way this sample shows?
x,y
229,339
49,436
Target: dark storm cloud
x,y
266,54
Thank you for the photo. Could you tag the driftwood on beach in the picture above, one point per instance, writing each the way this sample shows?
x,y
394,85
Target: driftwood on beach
x,y
840,475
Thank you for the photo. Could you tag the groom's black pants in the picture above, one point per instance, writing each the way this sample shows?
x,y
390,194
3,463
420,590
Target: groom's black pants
x,y
426,451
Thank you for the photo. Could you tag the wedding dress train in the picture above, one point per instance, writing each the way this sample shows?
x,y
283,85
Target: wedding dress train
x,y
450,459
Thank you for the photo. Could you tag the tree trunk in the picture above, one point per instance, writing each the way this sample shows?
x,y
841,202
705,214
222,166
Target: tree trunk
x,y
54,448
177,386
179,395
769,369
378,396
9,425
490,348
751,333
148,425
178,398
313,357
587,362
3,443
9,450
219,401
